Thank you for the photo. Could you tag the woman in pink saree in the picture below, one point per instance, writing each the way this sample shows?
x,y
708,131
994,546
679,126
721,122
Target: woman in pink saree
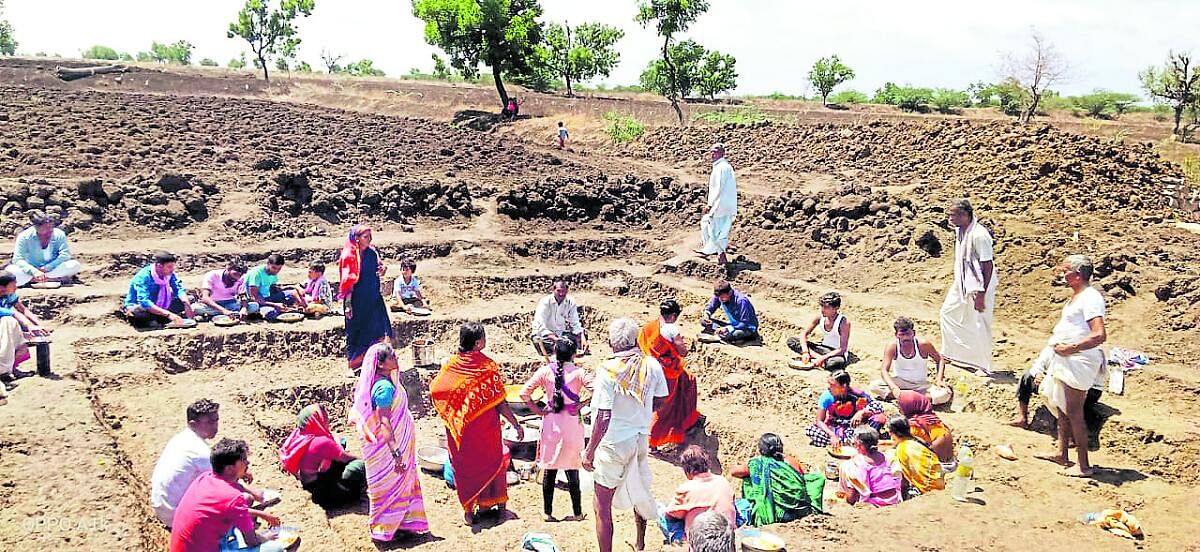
x,y
385,425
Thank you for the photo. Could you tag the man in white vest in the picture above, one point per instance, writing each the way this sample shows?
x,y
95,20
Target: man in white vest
x,y
721,207
967,313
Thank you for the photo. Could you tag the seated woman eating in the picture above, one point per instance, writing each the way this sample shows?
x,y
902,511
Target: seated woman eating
x,y
925,425
868,478
917,462
321,464
841,409
773,484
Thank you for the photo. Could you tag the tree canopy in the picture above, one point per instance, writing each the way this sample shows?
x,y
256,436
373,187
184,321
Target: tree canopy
x,y
826,74
1177,82
580,53
669,18
270,32
503,34
179,52
8,43
101,52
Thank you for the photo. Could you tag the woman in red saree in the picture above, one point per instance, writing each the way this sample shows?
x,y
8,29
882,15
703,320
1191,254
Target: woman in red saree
x,y
469,396
661,339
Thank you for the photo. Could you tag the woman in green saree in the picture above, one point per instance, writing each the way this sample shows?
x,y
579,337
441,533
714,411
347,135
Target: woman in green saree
x,y
775,488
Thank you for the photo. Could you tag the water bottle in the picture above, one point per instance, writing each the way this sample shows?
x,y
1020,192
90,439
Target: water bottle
x,y
963,475
1090,517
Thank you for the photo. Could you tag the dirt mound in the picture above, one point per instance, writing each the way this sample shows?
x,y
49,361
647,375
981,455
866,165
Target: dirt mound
x,y
829,217
627,200
165,201
1014,167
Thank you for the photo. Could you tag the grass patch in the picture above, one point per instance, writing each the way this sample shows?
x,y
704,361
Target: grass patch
x,y
740,115
623,127
1191,167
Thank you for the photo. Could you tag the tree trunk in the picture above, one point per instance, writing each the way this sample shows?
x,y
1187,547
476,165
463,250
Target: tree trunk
x,y
1027,116
70,74
262,62
1178,118
823,100
570,93
672,80
567,61
500,86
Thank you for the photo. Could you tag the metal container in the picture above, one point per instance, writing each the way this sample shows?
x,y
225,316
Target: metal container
x,y
832,470
423,353
42,346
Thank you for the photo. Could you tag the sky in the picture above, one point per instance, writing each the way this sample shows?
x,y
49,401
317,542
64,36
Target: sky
x,y
936,43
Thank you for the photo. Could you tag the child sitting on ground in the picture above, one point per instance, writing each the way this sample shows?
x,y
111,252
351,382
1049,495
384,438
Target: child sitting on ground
x,y
316,290
833,351
407,287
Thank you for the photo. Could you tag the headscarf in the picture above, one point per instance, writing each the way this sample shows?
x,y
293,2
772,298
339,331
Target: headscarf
x,y
164,287
917,407
362,410
350,262
310,424
631,377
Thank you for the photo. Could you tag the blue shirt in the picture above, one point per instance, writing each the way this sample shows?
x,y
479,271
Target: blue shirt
x,y
29,255
143,290
259,277
8,304
738,309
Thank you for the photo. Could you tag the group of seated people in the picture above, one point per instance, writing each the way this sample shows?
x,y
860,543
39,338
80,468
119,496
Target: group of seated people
x,y
156,296
18,325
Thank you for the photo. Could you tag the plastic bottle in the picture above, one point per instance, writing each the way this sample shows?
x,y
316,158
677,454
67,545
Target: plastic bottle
x,y
964,474
1090,517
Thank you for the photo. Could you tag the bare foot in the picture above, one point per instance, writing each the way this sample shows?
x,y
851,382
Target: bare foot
x,y
579,517
1076,471
1056,458
1018,422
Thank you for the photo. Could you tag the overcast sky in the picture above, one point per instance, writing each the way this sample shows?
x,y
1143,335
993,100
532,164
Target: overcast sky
x,y
937,43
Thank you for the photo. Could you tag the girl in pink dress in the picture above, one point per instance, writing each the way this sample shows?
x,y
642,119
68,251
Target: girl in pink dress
x,y
561,443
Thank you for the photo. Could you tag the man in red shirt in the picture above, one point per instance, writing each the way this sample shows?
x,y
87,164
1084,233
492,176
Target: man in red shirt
x,y
214,509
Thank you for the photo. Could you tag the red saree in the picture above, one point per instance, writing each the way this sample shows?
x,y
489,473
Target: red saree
x,y
465,393
678,413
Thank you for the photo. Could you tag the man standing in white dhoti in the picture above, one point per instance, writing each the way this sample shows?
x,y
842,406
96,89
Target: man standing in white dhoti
x,y
1071,363
721,207
967,313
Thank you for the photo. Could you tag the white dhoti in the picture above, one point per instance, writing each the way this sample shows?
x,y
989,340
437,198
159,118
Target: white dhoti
x,y
64,270
12,340
714,233
1078,371
625,468
966,332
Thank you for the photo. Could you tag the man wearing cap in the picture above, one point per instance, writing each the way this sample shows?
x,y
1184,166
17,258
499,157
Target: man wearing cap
x,y
41,254
721,207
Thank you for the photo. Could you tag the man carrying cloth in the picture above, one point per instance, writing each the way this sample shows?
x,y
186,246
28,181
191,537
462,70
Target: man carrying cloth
x,y
629,388
661,339
720,208
743,321
557,317
967,313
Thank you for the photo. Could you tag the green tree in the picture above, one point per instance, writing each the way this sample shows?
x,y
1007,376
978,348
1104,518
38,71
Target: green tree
x,y
849,97
440,70
208,62
362,68
101,52
238,62
670,17
179,52
717,73
270,32
1176,83
303,67
145,56
946,100
827,73
503,34
124,56
8,43
580,53
281,64
685,57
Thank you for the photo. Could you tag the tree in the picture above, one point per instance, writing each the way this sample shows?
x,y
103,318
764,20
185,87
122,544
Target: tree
x,y
580,53
238,62
269,32
303,67
670,17
685,57
503,34
8,42
716,74
363,68
331,61
208,62
440,71
1177,83
827,73
1035,71
947,100
281,64
101,52
1008,96
179,52
145,56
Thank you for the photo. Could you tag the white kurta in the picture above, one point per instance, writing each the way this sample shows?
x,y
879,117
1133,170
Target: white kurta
x,y
722,207
1082,370
966,332
554,318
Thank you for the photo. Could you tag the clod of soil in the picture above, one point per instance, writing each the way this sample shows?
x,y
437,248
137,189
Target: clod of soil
x,y
627,200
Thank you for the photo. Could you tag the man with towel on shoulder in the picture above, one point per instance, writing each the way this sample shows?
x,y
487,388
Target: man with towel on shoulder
x,y
629,387
968,311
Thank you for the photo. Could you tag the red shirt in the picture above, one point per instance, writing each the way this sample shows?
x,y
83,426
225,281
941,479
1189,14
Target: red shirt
x,y
209,509
321,452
